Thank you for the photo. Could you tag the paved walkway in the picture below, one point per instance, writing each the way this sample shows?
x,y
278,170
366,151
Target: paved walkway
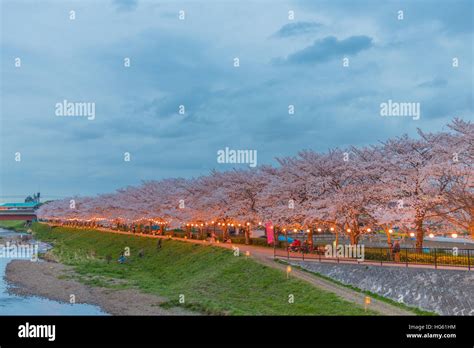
x,y
265,256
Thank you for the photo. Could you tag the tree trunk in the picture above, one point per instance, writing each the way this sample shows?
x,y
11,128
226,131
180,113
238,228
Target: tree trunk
x,y
354,234
354,238
247,235
310,237
419,233
389,236
225,234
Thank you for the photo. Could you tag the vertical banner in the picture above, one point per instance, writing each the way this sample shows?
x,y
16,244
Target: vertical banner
x,y
269,231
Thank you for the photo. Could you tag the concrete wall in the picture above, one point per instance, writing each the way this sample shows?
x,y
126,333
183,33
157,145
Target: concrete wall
x,y
446,292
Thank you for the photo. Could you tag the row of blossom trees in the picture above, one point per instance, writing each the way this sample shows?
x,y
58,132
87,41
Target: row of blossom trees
x,y
414,185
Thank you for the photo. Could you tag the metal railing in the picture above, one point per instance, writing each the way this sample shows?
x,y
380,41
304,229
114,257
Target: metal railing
x,y
434,257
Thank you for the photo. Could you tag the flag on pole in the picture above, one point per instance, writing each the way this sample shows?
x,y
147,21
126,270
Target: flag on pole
x,y
269,231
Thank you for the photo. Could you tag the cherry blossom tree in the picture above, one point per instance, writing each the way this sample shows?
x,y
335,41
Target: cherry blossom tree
x,y
411,184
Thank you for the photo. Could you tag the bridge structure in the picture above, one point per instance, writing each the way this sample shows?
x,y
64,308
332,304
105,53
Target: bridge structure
x,y
18,211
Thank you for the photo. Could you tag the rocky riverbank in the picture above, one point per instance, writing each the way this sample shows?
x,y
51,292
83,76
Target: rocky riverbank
x,y
56,281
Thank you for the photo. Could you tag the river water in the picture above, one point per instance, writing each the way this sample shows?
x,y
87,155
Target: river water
x,y
32,305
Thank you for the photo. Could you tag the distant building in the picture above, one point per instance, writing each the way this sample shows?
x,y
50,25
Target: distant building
x,y
19,206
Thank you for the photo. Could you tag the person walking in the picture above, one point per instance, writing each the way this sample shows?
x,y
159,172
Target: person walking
x,y
390,251
396,251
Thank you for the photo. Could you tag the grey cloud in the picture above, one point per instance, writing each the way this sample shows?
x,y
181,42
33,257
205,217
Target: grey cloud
x,y
328,48
125,5
297,28
435,83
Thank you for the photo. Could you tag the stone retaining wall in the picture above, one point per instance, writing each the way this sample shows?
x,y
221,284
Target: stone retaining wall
x,y
446,292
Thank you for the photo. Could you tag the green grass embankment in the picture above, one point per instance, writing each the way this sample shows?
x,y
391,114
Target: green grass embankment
x,y
212,279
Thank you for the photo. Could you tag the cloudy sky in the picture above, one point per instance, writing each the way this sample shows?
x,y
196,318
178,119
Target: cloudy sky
x,y
190,62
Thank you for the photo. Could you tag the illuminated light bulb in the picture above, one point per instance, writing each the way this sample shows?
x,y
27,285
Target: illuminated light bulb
x,y
431,235
248,223
288,271
368,230
295,230
212,222
319,230
308,230
348,230
259,222
332,228
412,234
390,231
454,235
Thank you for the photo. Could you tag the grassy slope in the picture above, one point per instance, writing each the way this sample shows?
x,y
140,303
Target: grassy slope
x,y
415,310
212,279
15,225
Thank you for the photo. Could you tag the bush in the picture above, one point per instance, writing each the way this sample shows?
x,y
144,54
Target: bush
x,y
254,241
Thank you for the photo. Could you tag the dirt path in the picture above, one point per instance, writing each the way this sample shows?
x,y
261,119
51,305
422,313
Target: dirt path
x,y
265,256
55,281
343,292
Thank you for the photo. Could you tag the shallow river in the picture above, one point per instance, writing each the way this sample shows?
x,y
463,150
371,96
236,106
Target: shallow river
x,y
31,305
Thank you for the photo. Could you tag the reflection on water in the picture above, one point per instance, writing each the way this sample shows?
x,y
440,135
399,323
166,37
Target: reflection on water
x,y
32,305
